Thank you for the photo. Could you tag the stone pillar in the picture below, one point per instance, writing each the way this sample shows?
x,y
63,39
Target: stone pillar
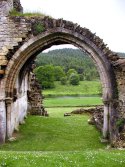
x,y
106,120
8,116
113,129
2,121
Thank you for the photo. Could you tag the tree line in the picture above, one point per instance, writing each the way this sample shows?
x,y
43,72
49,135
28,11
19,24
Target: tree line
x,y
64,65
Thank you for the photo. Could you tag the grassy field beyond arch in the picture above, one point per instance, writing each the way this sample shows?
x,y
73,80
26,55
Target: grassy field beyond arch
x,y
86,88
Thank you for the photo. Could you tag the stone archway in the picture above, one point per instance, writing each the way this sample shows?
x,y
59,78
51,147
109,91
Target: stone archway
x,y
25,37
60,32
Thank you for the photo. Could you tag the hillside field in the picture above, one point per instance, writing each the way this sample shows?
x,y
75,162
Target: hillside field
x,y
86,88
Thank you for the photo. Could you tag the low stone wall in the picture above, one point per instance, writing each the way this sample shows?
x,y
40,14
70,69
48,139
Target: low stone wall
x,y
97,120
96,115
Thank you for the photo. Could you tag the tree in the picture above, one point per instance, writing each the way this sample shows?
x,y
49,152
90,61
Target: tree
x,y
74,79
71,71
63,80
69,58
81,77
45,76
88,77
58,72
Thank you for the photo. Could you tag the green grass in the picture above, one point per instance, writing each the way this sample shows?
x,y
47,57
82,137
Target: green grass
x,y
89,89
56,133
93,158
27,14
59,141
84,88
72,101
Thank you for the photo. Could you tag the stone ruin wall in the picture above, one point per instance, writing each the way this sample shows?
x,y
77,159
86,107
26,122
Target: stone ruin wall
x,y
7,5
20,105
19,30
12,35
119,68
35,97
27,100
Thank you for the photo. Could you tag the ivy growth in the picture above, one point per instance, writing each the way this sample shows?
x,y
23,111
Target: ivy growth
x,y
39,28
120,122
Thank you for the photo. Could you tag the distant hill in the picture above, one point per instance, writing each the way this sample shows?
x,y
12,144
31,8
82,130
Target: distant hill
x,y
66,57
69,58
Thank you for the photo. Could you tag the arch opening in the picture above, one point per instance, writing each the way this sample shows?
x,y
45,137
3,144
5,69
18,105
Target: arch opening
x,y
56,37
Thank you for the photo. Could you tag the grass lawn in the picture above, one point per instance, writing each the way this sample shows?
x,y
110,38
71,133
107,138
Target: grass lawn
x,y
59,141
84,88
56,133
93,158
72,101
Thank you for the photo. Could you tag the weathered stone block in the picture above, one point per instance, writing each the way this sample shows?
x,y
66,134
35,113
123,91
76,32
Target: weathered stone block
x,y
3,62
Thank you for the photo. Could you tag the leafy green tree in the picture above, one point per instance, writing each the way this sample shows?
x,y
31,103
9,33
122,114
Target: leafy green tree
x,y
59,73
63,80
88,77
91,74
45,76
74,79
71,71
69,58
81,77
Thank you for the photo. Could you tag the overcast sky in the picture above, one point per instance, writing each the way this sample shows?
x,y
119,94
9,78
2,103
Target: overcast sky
x,y
105,17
